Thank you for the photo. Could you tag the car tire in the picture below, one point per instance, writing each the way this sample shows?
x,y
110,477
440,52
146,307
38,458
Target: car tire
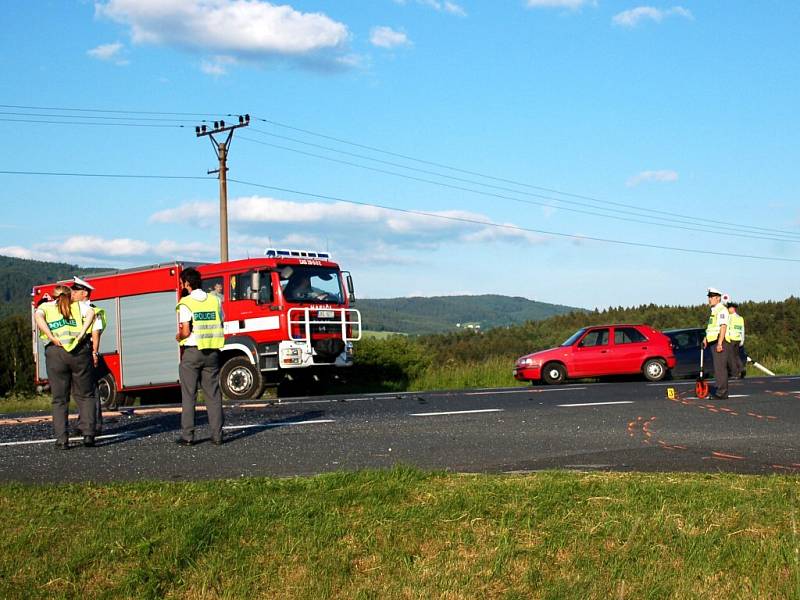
x,y
554,374
654,369
239,379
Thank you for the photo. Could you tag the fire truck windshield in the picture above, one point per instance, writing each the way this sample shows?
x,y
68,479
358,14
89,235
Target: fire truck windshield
x,y
311,284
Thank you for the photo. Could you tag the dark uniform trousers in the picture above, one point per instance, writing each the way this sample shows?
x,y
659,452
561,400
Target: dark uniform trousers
x,y
722,361
200,366
736,365
71,371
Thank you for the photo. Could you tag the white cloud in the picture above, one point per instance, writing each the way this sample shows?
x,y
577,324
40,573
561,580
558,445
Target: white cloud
x,y
251,30
644,176
28,253
568,4
631,18
386,37
347,225
446,6
94,250
108,53
217,65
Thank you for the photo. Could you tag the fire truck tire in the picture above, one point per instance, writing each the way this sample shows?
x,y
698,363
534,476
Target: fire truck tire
x,y
554,373
239,379
107,390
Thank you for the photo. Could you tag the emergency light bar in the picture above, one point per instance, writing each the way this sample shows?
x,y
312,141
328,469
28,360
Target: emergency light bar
x,y
275,253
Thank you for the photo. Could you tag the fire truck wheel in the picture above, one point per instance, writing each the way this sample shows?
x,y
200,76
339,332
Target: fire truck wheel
x,y
239,379
107,390
554,373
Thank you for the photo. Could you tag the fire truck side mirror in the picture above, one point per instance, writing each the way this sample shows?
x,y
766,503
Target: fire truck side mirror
x,y
350,290
255,285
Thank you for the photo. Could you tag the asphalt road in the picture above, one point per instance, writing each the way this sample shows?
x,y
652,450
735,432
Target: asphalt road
x,y
607,426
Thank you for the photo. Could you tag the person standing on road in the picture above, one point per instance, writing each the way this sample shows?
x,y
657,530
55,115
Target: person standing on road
x,y
716,332
735,338
201,335
68,361
81,292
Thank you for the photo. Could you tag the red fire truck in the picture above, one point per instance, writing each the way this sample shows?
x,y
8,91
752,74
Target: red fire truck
x,y
287,315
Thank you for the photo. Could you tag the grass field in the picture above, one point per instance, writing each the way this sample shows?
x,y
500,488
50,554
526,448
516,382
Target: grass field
x,y
406,534
380,335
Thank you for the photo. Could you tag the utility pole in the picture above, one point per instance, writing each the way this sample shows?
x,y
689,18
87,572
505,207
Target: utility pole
x,y
221,150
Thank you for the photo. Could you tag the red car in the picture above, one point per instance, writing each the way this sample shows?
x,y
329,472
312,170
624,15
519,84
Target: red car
x,y
598,351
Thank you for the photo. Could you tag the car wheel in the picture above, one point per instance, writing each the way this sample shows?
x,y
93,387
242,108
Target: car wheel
x,y
554,373
239,379
654,369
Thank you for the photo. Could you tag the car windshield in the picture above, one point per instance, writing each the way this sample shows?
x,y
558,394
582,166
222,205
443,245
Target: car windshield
x,y
574,337
311,285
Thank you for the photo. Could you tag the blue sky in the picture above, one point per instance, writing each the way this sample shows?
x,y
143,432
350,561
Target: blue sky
x,y
664,121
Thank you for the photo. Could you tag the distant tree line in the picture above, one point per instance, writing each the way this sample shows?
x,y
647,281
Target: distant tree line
x,y
773,330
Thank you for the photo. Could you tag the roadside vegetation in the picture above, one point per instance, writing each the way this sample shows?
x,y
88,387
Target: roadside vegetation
x,y
388,362
405,533
486,359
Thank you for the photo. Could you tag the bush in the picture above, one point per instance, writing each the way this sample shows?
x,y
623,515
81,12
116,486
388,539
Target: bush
x,y
16,356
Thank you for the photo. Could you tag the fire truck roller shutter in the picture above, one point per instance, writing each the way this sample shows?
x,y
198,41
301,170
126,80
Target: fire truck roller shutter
x,y
240,376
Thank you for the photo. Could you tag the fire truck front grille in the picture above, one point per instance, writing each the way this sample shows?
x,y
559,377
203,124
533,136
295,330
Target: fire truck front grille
x,y
327,350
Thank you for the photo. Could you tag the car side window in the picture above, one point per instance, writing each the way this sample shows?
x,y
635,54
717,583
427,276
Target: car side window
x,y
597,337
682,341
628,335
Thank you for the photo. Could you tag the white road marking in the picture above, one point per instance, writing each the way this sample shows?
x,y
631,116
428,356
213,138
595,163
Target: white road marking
x,y
524,391
110,436
271,425
711,397
456,412
597,403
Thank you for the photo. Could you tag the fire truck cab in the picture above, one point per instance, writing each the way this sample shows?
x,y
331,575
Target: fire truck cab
x,y
286,314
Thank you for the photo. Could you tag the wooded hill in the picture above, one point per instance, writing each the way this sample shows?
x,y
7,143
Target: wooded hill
x,y
402,315
18,276
439,314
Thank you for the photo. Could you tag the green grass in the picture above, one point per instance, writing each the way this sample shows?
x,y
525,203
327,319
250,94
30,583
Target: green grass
x,y
493,372
380,335
20,403
406,534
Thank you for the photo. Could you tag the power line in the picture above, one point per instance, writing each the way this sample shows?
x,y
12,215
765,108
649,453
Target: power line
x,y
737,229
50,122
515,227
505,180
127,112
410,211
520,200
672,216
40,115
104,175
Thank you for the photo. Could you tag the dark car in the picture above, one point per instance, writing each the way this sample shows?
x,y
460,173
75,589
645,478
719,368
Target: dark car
x,y
686,344
599,351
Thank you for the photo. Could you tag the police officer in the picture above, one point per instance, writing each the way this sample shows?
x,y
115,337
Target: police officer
x,y
735,337
716,332
68,361
81,292
201,335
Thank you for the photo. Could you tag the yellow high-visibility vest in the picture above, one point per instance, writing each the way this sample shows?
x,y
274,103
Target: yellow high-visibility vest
x,y
206,322
99,313
713,327
735,329
64,330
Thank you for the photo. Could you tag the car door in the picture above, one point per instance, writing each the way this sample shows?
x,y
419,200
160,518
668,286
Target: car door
x,y
592,355
629,350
